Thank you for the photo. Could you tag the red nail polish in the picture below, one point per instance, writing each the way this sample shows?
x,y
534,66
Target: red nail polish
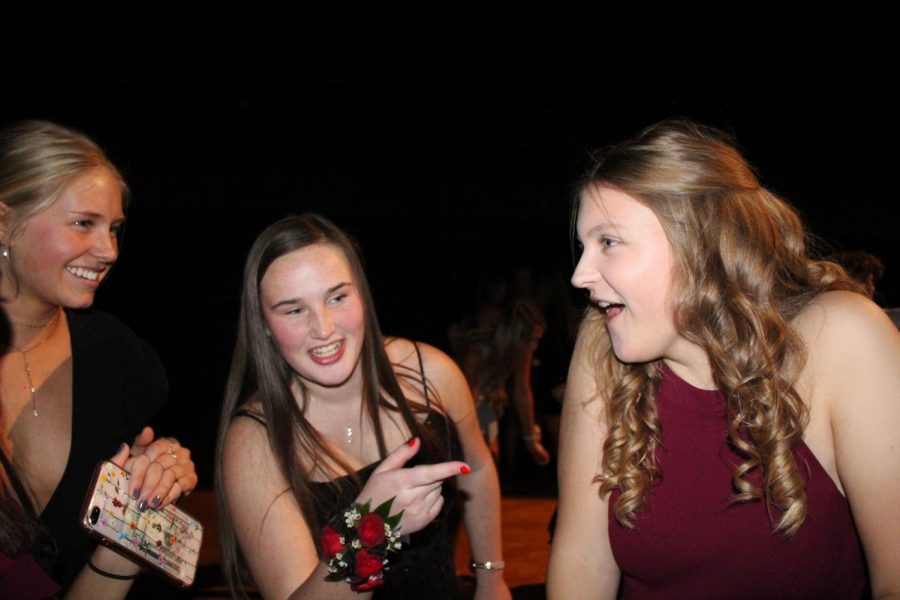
x,y
465,470
412,442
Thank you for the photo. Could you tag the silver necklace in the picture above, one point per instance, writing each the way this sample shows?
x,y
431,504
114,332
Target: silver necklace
x,y
31,385
348,428
24,352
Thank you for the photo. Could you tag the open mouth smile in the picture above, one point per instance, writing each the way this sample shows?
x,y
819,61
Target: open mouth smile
x,y
83,273
328,354
610,309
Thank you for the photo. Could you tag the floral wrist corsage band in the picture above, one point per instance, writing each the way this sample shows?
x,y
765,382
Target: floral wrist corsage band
x,y
356,542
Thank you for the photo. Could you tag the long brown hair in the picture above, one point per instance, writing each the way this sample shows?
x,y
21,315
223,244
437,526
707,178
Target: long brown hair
x,y
742,273
260,375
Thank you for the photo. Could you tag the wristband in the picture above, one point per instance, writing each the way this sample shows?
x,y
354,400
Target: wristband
x,y
356,542
491,565
109,575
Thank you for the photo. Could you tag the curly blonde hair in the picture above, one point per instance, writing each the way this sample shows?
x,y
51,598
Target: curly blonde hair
x,y
741,274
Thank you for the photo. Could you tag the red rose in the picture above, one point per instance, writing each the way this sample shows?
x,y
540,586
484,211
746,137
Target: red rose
x,y
367,564
331,542
367,585
370,530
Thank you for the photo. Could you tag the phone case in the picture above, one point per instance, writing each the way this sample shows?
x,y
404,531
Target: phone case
x,y
166,540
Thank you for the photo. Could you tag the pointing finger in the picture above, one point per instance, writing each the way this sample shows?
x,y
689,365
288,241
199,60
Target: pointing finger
x,y
430,474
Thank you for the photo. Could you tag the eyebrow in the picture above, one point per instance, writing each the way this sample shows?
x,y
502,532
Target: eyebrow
x,y
599,229
330,290
92,214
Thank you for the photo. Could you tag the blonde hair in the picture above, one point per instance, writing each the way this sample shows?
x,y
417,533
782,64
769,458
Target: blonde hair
x,y
38,159
742,273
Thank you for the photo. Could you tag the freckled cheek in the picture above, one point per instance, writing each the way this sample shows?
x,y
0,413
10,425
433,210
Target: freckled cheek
x,y
288,337
353,320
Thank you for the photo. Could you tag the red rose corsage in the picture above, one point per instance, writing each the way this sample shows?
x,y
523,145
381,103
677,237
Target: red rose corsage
x,y
356,542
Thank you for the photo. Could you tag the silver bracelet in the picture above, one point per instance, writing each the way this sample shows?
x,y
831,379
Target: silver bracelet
x,y
491,565
535,434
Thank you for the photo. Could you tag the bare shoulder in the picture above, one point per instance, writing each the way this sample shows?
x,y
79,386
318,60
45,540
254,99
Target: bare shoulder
x,y
834,308
436,363
852,346
442,373
840,328
402,351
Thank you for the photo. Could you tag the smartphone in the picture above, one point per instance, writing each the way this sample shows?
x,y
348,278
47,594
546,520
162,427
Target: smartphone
x,y
166,541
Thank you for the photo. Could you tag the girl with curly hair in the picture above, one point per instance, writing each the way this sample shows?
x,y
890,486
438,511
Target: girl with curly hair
x,y
730,423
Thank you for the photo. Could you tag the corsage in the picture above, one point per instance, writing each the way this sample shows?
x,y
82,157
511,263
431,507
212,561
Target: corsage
x,y
356,543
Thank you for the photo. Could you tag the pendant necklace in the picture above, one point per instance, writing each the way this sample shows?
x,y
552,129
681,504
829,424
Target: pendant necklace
x,y
43,336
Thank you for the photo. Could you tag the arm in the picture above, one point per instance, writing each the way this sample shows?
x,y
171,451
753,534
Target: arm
x,y
581,560
270,528
523,402
481,487
857,356
89,584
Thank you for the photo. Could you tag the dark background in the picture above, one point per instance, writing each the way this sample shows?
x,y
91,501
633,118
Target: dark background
x,y
444,139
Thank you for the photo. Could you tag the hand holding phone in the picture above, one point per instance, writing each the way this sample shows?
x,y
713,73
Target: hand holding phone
x,y
166,541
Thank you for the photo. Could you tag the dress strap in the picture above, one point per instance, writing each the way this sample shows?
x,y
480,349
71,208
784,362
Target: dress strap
x,y
422,373
243,412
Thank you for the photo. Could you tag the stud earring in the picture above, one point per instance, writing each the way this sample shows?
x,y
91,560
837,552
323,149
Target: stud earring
x,y
4,252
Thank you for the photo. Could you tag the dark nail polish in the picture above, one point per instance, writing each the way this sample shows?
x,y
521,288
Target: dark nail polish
x,y
156,501
142,506
136,493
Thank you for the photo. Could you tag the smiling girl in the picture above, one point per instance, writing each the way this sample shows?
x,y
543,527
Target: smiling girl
x,y
730,423
75,384
322,415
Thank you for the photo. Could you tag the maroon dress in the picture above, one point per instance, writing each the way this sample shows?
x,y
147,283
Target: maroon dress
x,y
23,579
694,542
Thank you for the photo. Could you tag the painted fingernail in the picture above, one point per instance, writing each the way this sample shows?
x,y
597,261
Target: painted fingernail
x,y
142,506
136,493
412,442
465,470
156,501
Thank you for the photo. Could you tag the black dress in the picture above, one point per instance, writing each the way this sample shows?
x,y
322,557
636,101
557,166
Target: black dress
x,y
424,567
118,384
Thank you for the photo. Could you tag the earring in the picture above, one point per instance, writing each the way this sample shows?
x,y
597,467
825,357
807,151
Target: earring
x,y
4,252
